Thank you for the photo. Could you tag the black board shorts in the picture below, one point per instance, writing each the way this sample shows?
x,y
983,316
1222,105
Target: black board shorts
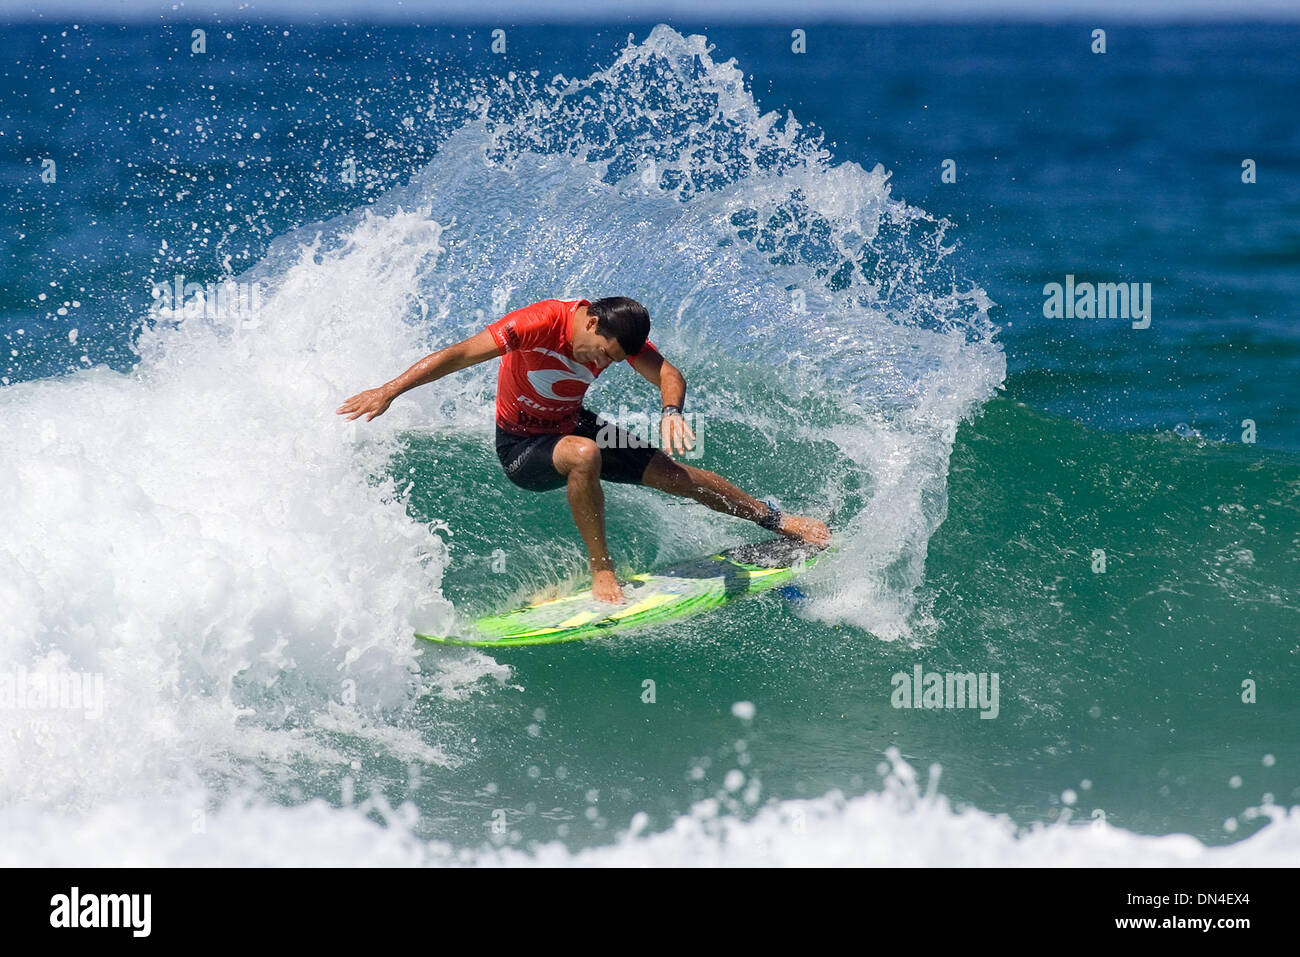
x,y
527,458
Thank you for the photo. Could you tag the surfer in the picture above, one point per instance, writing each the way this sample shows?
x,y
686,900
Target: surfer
x,y
551,351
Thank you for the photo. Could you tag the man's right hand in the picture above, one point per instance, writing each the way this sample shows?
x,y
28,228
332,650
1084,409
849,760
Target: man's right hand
x,y
370,403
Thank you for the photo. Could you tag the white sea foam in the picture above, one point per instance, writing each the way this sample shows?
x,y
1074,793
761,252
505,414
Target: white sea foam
x,y
897,826
205,533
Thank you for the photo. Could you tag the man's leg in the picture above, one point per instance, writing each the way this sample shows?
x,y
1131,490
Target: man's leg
x,y
711,489
578,459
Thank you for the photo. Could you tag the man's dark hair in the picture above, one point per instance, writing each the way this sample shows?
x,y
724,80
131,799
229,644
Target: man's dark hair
x,y
623,319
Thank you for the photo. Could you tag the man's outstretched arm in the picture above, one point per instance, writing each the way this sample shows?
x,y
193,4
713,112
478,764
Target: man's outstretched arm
x,y
468,352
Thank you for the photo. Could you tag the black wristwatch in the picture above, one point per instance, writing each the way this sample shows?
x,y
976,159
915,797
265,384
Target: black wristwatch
x,y
671,410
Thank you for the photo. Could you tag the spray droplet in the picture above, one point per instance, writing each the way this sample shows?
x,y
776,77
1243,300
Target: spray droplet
x,y
744,710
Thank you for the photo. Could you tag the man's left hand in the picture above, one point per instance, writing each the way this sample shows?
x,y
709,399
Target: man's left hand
x,y
675,436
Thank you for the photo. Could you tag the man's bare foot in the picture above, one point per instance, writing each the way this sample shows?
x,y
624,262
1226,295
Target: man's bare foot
x,y
811,530
605,587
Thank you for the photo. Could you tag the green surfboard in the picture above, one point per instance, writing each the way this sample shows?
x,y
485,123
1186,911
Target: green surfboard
x,y
674,591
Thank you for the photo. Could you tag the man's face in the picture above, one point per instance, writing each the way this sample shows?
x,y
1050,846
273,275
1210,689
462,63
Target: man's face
x,y
601,351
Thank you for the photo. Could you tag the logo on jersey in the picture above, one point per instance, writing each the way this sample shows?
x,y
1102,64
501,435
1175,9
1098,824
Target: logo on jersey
x,y
544,381
512,336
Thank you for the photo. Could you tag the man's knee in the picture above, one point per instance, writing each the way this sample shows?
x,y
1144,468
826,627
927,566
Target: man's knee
x,y
579,456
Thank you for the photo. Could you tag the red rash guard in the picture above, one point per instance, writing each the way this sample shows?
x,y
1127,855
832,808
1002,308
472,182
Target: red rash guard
x,y
539,384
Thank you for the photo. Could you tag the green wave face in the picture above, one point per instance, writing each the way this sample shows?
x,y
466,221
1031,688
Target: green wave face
x,y
1124,684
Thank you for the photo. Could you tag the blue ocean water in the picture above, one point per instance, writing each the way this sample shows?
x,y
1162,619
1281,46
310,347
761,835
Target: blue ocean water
x,y
184,516
1121,167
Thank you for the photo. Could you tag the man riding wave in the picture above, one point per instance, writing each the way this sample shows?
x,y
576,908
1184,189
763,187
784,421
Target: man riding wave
x,y
551,352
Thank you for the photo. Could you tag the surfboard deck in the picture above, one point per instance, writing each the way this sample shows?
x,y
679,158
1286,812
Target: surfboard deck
x,y
674,591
